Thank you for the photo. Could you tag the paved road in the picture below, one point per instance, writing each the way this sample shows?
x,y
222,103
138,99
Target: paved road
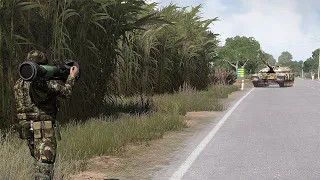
x,y
273,134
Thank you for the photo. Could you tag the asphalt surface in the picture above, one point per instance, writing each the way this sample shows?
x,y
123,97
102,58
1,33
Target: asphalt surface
x,y
274,133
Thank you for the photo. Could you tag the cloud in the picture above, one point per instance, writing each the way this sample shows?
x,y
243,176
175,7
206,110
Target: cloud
x,y
279,25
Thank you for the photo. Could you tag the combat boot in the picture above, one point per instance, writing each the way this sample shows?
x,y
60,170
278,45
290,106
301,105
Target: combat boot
x,y
44,171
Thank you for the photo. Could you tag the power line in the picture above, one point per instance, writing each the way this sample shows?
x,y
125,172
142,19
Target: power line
x,y
302,42
292,45
297,43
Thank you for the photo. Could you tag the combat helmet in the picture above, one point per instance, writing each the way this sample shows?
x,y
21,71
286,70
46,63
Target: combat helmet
x,y
37,57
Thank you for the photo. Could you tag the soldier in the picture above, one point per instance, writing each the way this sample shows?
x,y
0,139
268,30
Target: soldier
x,y
37,107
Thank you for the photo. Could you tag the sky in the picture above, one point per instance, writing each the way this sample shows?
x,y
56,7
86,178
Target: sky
x,y
278,25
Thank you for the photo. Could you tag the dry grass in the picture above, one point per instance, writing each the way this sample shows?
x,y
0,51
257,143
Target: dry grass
x,y
107,136
247,83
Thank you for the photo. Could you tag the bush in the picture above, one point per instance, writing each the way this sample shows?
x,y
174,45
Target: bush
x,y
223,76
188,99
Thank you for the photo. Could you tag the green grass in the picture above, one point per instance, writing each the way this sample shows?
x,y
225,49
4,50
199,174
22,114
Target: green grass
x,y
107,136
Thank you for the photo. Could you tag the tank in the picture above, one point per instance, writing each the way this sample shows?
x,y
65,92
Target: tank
x,y
281,75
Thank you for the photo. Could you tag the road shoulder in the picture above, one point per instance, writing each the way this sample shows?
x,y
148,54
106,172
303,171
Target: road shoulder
x,y
158,158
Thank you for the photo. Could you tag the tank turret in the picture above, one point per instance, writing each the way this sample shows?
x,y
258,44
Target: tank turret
x,y
271,70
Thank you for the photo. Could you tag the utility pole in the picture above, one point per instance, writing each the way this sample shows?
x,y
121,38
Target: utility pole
x,y
319,65
302,70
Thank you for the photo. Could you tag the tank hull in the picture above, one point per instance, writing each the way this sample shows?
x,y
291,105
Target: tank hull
x,y
266,79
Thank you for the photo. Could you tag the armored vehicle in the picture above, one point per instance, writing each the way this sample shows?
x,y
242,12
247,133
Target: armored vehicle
x,y
273,75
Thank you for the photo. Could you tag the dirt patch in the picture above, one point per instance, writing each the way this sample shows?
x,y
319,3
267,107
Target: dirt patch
x,y
194,118
91,175
104,162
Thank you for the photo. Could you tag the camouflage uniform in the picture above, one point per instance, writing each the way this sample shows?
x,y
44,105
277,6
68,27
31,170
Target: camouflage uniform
x,y
37,101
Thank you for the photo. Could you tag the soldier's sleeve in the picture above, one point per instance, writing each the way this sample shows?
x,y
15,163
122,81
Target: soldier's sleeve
x,y
65,90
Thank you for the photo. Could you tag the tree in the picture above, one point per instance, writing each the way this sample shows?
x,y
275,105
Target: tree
x,y
296,66
270,59
240,51
285,58
315,54
260,64
311,64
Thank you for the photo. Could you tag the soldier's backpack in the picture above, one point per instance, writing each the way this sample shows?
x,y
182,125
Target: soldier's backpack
x,y
25,107
24,103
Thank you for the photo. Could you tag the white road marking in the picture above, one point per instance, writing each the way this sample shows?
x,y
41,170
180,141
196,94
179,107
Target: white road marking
x,y
193,156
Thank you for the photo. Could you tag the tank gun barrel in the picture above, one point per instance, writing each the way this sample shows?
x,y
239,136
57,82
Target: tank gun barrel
x,y
267,64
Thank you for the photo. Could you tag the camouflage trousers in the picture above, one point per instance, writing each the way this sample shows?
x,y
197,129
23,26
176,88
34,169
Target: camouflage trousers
x,y
44,153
